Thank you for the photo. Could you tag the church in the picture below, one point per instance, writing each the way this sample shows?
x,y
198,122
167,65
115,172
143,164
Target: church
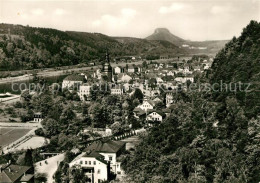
x,y
107,69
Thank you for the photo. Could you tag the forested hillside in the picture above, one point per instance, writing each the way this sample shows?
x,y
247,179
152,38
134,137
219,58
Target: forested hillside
x,y
239,61
209,136
29,47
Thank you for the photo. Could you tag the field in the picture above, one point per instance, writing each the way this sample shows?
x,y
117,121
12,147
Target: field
x,y
33,143
9,135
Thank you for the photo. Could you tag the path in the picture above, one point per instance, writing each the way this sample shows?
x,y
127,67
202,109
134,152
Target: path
x,y
50,168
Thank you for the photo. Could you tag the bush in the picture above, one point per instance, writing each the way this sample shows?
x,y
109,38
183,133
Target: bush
x,y
40,132
18,105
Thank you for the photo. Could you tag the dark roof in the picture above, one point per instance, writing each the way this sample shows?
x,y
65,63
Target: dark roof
x,y
12,173
96,155
139,112
75,78
106,146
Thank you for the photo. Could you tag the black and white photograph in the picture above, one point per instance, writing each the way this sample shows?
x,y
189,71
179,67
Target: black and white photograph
x,y
129,91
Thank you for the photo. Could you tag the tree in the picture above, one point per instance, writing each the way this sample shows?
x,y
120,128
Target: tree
x,y
138,95
51,127
78,176
159,106
28,159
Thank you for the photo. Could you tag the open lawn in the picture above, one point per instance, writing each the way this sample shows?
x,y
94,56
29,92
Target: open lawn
x,y
33,143
9,135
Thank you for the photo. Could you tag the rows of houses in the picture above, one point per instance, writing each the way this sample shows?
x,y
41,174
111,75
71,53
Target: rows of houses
x,y
124,80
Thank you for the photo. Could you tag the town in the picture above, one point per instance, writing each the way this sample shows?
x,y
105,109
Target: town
x,y
129,91
110,108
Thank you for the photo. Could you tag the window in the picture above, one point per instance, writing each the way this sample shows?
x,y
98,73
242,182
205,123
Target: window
x,y
98,171
110,158
86,162
89,162
94,162
80,162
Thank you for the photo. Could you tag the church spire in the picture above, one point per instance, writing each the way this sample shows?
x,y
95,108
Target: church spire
x,y
107,56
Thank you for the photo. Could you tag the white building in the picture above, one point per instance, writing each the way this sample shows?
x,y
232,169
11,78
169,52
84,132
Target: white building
x,y
154,116
117,90
93,165
125,78
37,117
147,105
84,90
131,69
118,70
72,81
170,73
169,99
100,158
184,79
110,150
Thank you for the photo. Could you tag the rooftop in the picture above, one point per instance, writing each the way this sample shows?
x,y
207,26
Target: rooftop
x,y
106,146
11,173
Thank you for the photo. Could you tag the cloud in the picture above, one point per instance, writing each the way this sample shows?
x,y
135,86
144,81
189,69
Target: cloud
x,y
128,12
173,8
222,9
59,12
126,15
37,11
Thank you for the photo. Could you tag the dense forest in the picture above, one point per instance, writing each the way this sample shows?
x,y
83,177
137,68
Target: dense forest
x,y
209,136
30,48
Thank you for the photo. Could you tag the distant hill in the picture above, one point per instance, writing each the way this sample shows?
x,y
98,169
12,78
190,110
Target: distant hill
x,y
192,47
165,35
24,47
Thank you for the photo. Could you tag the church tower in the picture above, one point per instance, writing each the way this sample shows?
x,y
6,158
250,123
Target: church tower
x,y
107,69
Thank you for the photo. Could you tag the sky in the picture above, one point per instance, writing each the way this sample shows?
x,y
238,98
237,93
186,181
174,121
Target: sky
x,y
195,20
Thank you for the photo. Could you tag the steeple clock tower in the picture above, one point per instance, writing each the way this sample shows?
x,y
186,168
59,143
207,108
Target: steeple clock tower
x,y
107,69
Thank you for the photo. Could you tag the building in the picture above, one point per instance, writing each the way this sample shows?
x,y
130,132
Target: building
x,y
111,150
117,90
107,69
73,81
147,105
118,70
184,79
84,92
37,117
99,159
155,116
169,99
170,73
164,56
124,78
93,165
131,69
16,174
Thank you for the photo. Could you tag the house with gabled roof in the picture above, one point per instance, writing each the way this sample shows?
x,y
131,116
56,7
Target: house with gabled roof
x,y
99,159
73,81
155,116
10,173
146,105
118,69
111,150
93,165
